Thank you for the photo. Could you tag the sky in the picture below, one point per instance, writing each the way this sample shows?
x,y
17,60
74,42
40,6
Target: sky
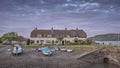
x,y
93,16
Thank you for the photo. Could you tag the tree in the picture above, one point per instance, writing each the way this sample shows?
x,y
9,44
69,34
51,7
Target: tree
x,y
0,40
60,39
89,41
28,41
10,36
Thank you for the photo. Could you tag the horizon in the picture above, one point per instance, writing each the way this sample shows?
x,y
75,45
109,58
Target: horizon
x,y
93,16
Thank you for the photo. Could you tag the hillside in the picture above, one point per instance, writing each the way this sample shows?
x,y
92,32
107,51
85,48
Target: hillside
x,y
107,37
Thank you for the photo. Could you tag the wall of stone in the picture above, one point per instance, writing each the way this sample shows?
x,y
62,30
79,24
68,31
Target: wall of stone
x,y
99,56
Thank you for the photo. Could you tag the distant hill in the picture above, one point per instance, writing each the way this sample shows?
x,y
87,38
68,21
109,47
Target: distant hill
x,y
107,37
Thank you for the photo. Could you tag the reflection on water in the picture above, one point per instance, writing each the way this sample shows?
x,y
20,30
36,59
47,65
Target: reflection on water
x,y
103,66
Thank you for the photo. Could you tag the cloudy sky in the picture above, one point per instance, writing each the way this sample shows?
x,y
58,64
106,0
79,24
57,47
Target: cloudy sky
x,y
93,16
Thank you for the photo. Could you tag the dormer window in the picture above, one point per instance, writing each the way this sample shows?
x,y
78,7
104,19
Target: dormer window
x,y
39,35
75,36
68,36
42,35
49,36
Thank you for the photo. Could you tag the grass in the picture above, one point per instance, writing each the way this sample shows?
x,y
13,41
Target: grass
x,y
75,53
32,46
66,46
72,46
61,46
76,45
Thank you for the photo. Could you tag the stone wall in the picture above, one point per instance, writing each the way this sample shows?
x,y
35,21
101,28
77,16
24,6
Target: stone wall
x,y
109,54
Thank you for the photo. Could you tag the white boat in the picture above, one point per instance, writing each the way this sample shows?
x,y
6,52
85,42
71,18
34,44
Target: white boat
x,y
69,50
17,50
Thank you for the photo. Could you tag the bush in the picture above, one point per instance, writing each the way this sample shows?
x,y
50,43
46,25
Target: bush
x,y
80,43
0,40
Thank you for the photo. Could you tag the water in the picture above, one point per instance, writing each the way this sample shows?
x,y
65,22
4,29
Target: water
x,y
57,66
103,66
108,42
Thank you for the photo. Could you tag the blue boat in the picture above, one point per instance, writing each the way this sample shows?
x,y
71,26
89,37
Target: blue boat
x,y
46,51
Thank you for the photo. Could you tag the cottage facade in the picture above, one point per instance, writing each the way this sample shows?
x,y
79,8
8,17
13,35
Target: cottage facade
x,y
54,36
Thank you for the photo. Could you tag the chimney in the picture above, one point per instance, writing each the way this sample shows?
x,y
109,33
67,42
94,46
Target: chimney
x,y
65,28
52,28
76,28
35,28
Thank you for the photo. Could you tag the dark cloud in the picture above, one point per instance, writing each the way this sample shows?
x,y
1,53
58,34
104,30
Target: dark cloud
x,y
94,16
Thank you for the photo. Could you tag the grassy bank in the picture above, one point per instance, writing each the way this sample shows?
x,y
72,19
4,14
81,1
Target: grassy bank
x,y
37,46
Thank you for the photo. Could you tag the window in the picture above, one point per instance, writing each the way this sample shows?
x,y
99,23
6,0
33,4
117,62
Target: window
x,y
67,42
52,41
56,41
41,41
37,41
42,35
49,35
68,36
76,40
47,41
33,41
75,36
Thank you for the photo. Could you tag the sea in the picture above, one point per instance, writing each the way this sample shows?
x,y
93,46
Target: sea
x,y
107,43
103,66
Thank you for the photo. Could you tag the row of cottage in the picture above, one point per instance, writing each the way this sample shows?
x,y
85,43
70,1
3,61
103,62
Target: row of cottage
x,y
52,36
55,36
